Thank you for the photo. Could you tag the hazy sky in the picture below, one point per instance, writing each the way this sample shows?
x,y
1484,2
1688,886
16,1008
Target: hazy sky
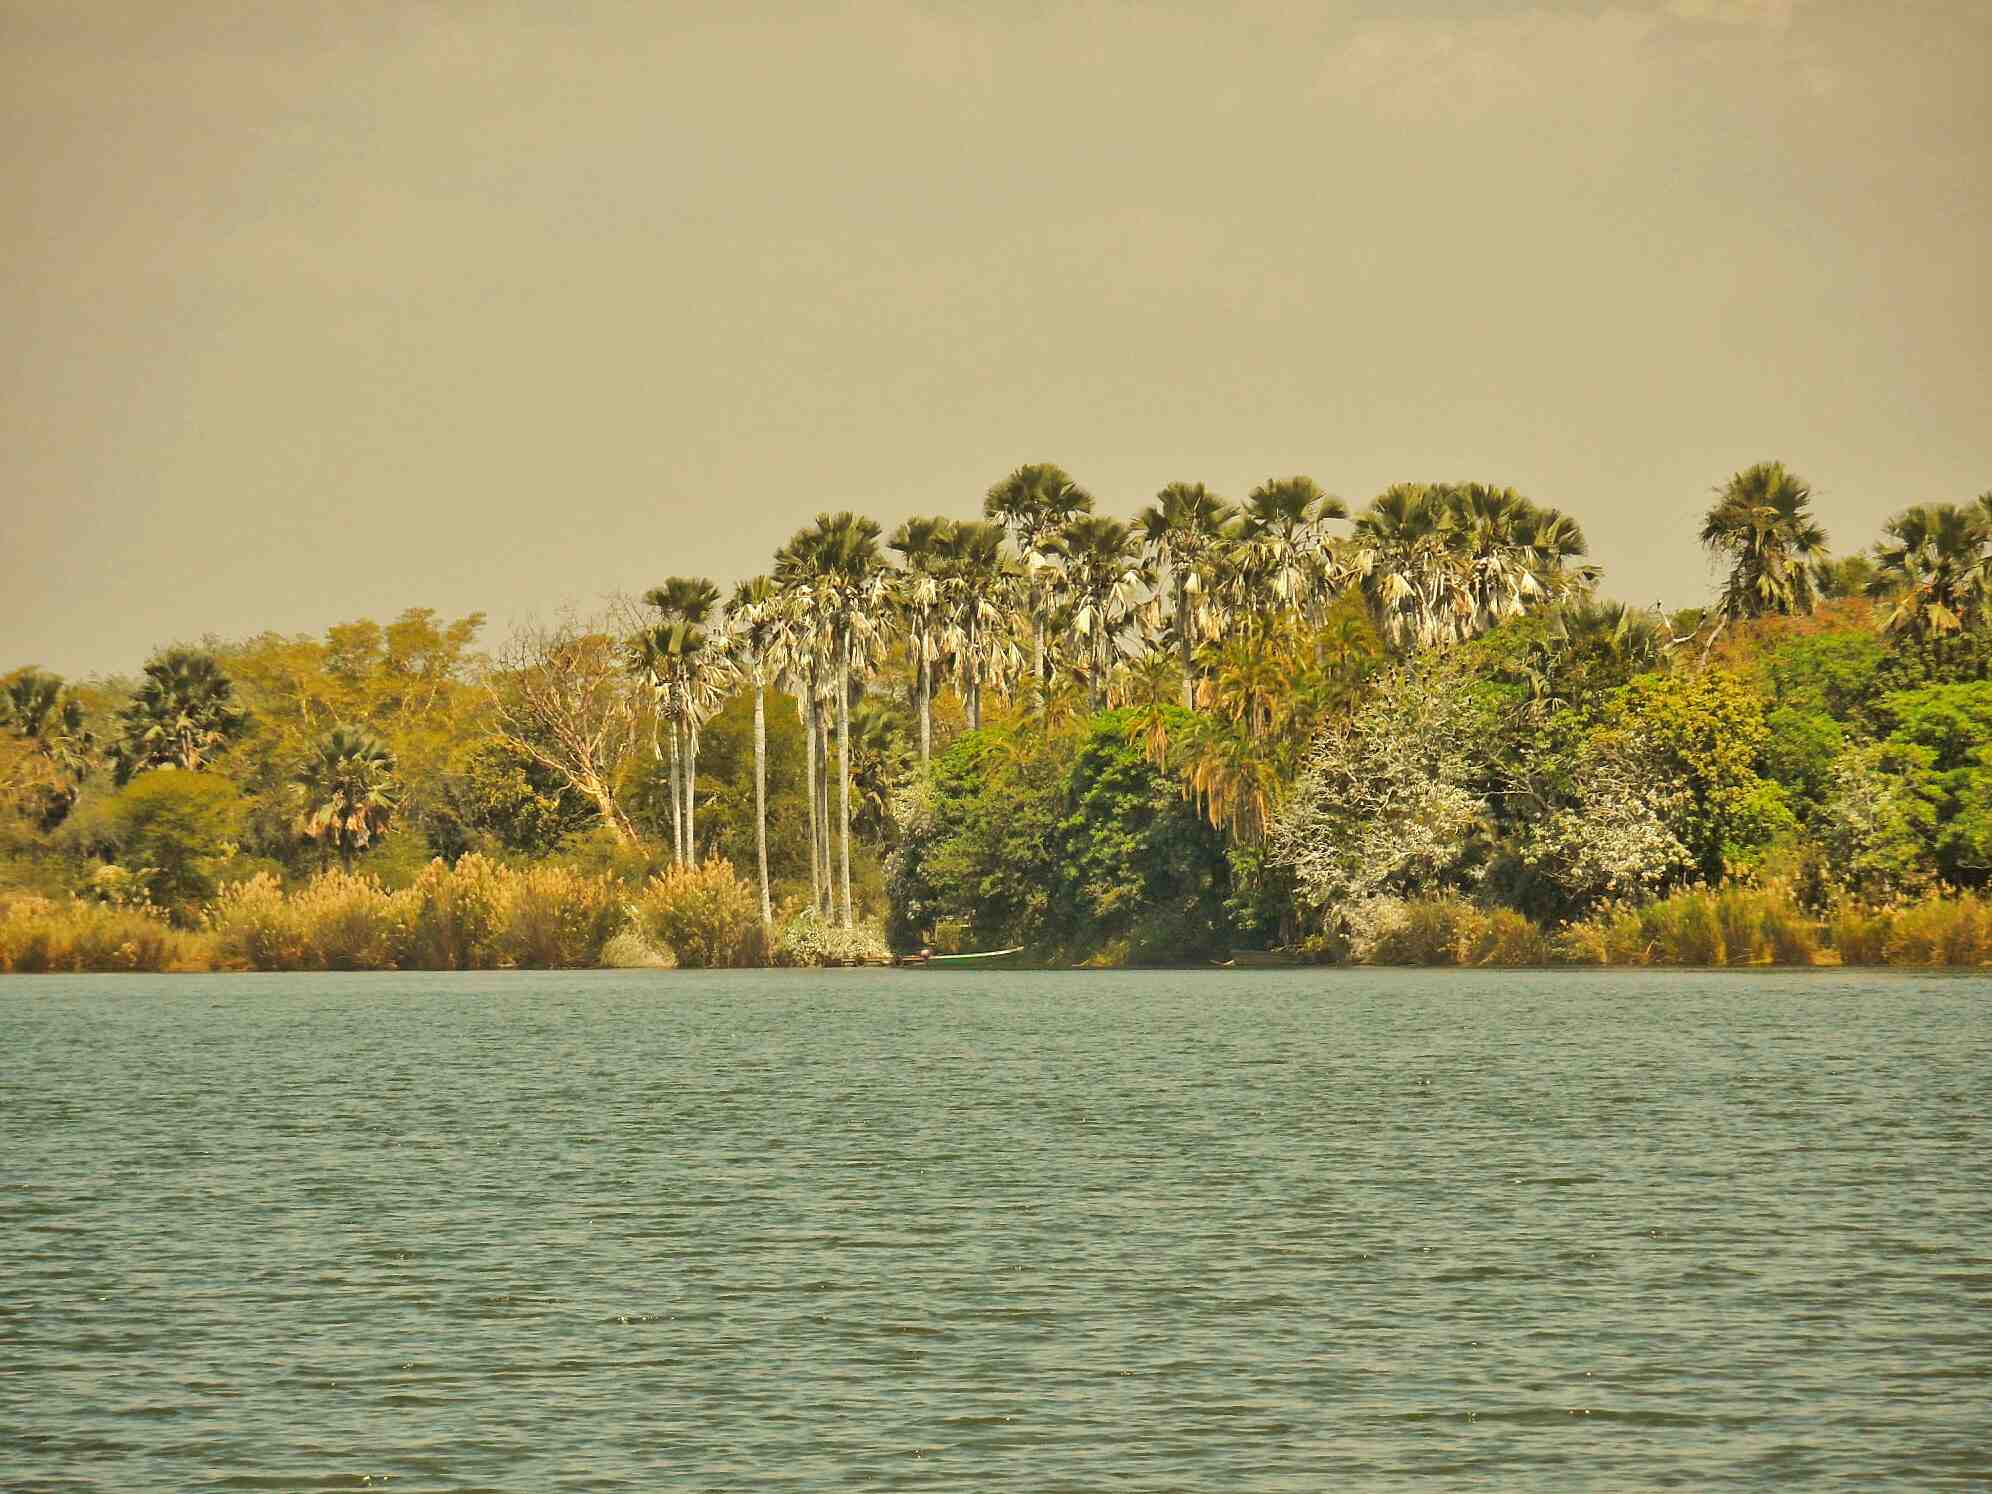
x,y
323,310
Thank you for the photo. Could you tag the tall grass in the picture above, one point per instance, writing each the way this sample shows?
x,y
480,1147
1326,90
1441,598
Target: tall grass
x,y
1731,925
42,935
705,915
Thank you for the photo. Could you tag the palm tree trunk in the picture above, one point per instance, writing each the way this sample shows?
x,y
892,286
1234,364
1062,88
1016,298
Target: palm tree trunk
x,y
926,700
1183,638
809,779
974,662
844,767
823,820
677,800
761,795
691,791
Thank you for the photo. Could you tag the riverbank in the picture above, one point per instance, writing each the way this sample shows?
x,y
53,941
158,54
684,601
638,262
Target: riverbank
x,y
477,916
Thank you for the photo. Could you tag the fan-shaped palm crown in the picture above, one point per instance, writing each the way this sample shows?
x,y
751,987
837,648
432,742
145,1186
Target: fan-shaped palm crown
x,y
1936,562
1762,524
181,715
349,788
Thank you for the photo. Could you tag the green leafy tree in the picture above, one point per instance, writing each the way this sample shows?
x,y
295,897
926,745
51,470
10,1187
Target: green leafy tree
x,y
50,747
176,830
1707,731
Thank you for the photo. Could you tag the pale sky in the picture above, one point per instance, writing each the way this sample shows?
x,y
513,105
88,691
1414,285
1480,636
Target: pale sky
x,y
323,310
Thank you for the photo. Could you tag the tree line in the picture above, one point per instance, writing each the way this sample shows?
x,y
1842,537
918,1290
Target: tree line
x,y
1318,707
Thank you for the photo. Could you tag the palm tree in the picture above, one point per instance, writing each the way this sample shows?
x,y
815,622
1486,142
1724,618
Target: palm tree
x,y
1762,523
1440,563
1186,530
1937,563
803,658
350,791
761,623
181,715
1105,575
41,712
1035,503
1282,546
841,555
976,582
918,543
694,681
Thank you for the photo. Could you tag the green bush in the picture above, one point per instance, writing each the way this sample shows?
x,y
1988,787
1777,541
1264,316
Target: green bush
x,y
1429,931
806,939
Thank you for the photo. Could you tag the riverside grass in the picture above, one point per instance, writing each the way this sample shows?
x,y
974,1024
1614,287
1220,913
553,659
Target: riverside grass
x,y
480,915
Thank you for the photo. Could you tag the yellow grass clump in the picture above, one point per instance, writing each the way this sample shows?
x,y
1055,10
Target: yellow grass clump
x,y
41,935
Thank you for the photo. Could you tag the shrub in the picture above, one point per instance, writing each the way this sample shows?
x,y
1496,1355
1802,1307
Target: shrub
x,y
1859,934
704,914
806,939
353,923
257,928
1942,931
337,921
40,935
1508,938
629,950
557,918
1429,931
459,912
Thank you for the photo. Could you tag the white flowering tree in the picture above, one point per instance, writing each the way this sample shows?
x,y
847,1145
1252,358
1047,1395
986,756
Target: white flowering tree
x,y
1607,834
1386,801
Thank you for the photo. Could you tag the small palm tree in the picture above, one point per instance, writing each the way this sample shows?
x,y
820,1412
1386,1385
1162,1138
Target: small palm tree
x,y
1934,563
1761,523
1186,531
350,791
182,714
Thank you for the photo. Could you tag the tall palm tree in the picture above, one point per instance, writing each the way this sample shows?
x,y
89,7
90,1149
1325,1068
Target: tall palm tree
x,y
761,623
1283,545
1036,503
1762,524
1186,530
841,554
918,543
1936,561
694,682
976,583
804,671
1105,576
180,716
350,791
1440,563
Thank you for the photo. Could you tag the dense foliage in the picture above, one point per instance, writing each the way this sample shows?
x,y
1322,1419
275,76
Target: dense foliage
x,y
1414,731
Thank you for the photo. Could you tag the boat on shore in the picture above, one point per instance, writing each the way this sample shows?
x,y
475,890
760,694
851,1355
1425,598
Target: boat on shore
x,y
921,959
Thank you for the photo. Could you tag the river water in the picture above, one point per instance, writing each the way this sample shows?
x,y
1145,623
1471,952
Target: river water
x,y
915,1230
